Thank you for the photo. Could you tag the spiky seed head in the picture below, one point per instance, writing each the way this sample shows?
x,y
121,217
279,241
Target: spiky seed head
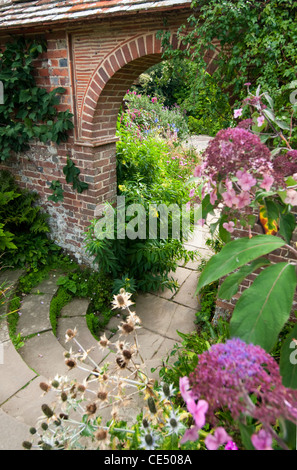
x,y
47,411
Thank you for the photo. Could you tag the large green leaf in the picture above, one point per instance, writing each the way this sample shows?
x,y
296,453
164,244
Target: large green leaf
x,y
265,307
231,284
236,254
288,360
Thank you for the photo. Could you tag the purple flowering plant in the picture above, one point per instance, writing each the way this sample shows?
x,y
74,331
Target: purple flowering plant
x,y
248,178
244,379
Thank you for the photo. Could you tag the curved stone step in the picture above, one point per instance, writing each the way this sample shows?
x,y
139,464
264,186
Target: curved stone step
x,y
12,432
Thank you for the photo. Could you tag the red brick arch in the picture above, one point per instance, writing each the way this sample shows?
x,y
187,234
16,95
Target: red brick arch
x,y
110,81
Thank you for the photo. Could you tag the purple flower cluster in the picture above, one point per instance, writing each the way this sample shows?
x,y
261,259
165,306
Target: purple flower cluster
x,y
229,373
285,164
235,149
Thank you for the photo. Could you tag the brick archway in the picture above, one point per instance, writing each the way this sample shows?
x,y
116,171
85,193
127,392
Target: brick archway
x,y
109,83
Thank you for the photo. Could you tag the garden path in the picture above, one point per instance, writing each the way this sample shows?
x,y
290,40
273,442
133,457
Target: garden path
x,y
41,358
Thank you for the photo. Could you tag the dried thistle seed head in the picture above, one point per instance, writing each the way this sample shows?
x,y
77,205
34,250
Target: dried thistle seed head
x,y
126,328
33,431
166,390
44,387
55,383
101,435
47,411
44,426
104,342
121,362
102,395
105,377
127,354
71,363
64,396
63,416
81,388
70,334
122,300
91,409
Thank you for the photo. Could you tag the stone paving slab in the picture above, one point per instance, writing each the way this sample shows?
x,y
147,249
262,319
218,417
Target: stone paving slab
x,y
14,372
45,355
34,314
12,432
48,285
164,317
180,275
186,294
75,308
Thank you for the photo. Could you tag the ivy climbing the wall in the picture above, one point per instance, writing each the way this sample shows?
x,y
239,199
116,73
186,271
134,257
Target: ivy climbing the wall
x,y
28,112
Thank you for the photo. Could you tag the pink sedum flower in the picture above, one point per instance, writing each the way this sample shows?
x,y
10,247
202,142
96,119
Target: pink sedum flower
x,y
220,437
262,440
243,200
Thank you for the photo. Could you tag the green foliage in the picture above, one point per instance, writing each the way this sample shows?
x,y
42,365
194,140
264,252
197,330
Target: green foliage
x,y
60,300
72,176
257,42
28,112
58,193
28,244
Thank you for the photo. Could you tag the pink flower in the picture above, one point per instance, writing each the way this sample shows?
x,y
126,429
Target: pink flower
x,y
192,192
231,446
219,438
243,199
229,226
237,113
188,206
213,197
230,198
184,387
291,197
260,121
262,440
190,435
198,411
154,100
245,180
267,182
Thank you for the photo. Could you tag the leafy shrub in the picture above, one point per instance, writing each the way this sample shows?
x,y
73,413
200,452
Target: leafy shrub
x,y
27,225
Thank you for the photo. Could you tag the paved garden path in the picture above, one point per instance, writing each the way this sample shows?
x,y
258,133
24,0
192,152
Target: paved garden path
x,y
41,358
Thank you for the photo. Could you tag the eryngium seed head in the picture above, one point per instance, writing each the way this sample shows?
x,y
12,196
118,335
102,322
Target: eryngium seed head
x,y
44,386
127,354
27,445
152,405
44,426
71,363
101,434
47,411
64,396
91,409
145,423
33,431
166,390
